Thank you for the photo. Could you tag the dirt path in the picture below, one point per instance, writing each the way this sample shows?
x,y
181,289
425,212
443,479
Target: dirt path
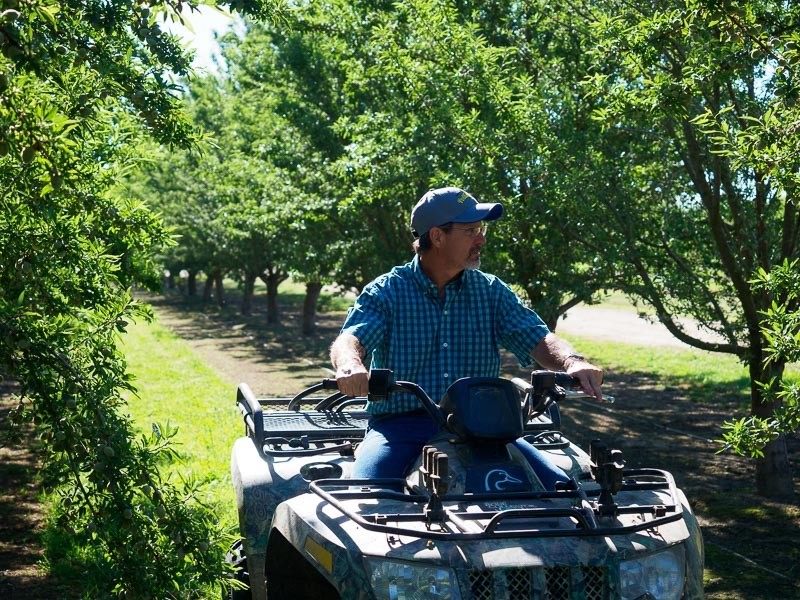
x,y
21,516
623,325
243,349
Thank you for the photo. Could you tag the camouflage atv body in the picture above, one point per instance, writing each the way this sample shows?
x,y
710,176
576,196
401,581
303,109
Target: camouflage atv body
x,y
470,521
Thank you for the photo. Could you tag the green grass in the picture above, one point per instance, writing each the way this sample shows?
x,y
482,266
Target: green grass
x,y
176,387
706,374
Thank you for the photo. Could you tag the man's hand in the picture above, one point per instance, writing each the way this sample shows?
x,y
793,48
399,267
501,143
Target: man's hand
x,y
590,376
558,355
353,378
351,374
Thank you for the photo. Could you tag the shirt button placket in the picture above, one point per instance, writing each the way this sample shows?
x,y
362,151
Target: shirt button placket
x,y
446,366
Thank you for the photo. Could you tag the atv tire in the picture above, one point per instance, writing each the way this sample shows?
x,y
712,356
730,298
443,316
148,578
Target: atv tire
x,y
236,557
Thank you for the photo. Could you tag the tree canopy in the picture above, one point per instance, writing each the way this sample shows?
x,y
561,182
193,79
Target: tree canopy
x,y
645,148
82,85
698,99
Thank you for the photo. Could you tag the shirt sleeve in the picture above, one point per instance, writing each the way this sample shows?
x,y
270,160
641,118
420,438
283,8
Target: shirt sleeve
x,y
520,328
367,318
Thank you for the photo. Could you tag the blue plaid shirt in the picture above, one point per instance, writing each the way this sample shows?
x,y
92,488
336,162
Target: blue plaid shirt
x,y
405,326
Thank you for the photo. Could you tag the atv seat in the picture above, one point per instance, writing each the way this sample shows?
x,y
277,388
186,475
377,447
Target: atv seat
x,y
483,409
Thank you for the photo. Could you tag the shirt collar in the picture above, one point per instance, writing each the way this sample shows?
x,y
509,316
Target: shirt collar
x,y
421,279
425,283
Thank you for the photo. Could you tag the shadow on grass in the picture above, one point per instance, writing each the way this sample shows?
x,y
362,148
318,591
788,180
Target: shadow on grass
x,y
281,341
21,515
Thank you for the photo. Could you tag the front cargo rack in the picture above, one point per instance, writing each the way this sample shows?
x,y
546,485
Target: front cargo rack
x,y
584,516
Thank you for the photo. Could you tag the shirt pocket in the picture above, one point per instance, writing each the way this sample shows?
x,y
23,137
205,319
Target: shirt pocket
x,y
472,336
412,341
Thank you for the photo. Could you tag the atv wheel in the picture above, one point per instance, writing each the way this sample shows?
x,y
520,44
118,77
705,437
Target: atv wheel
x,y
237,558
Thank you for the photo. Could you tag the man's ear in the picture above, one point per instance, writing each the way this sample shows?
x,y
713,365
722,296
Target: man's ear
x,y
437,236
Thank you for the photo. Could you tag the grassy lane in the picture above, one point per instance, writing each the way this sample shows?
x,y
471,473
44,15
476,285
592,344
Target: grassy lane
x,y
176,387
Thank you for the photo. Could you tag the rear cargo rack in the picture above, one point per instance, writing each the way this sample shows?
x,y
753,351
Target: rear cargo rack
x,y
277,431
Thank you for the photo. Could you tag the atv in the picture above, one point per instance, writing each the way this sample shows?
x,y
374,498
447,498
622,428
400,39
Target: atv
x,y
471,520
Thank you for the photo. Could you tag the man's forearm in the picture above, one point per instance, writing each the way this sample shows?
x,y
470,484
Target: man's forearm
x,y
553,353
347,356
346,350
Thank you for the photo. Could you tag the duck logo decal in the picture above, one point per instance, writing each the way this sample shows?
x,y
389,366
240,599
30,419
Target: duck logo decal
x,y
499,480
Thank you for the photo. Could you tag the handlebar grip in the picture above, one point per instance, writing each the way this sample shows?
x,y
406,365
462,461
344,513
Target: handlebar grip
x,y
567,381
329,384
542,380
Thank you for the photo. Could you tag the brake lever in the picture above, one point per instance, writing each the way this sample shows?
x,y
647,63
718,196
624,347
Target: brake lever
x,y
582,394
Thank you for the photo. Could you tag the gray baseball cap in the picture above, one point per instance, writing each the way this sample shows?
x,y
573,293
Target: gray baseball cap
x,y
450,205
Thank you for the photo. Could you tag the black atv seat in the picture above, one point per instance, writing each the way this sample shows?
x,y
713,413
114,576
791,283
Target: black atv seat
x,y
483,409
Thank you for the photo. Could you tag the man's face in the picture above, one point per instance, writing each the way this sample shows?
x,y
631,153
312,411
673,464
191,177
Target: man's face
x,y
464,244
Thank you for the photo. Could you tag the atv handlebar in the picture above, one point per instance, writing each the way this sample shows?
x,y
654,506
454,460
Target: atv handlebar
x,y
381,384
545,388
571,386
329,384
562,384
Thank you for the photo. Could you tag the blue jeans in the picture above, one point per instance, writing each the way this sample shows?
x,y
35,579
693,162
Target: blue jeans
x,y
393,442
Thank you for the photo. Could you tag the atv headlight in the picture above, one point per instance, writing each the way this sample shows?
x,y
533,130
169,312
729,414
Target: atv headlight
x,y
394,580
659,576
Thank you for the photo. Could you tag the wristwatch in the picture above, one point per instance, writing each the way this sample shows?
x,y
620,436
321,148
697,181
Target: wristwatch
x,y
575,357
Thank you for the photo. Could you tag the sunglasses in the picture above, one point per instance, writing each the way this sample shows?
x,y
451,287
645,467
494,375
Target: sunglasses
x,y
475,231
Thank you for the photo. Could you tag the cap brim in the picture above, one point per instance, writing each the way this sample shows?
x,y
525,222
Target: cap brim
x,y
483,211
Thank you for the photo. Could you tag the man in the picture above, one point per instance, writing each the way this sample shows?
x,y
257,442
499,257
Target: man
x,y
435,320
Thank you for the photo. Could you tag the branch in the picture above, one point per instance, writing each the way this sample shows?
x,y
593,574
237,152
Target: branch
x,y
732,265
672,326
684,267
764,48
569,304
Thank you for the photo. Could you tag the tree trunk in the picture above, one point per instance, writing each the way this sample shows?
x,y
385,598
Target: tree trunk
x,y
313,289
773,471
208,287
272,281
247,296
192,283
219,289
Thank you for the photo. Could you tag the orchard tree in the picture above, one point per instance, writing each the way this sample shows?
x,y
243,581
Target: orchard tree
x,y
254,224
81,83
283,108
781,330
257,191
702,96
317,66
482,96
